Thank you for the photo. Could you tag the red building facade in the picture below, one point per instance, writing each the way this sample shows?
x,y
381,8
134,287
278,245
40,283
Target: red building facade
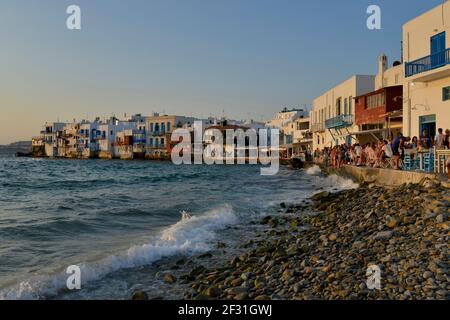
x,y
373,109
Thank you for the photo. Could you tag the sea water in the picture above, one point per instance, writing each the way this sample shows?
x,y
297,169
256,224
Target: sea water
x,y
121,222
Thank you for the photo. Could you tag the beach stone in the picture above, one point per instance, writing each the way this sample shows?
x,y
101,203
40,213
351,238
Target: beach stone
x,y
332,237
221,245
169,278
139,295
383,235
212,292
393,222
320,195
262,298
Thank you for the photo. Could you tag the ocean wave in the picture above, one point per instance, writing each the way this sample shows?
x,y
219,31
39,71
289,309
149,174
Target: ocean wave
x,y
337,183
314,170
188,236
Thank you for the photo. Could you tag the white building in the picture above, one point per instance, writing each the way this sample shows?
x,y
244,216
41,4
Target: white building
x,y
286,116
333,113
426,87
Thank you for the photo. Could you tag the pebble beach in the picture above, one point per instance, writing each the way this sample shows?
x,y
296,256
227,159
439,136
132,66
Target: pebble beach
x,y
322,248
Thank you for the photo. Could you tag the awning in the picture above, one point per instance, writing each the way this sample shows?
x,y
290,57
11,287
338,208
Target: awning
x,y
369,132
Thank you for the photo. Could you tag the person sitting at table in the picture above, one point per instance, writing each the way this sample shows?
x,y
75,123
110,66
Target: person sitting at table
x,y
387,151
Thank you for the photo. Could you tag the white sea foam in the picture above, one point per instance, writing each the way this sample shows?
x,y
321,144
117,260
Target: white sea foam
x,y
188,236
314,170
334,182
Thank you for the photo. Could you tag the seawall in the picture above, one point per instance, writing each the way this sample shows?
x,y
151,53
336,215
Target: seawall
x,y
382,177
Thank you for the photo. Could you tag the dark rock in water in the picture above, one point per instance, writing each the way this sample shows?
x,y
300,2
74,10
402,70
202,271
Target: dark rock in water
x,y
266,220
221,245
139,295
320,195
169,278
198,270
205,255
283,205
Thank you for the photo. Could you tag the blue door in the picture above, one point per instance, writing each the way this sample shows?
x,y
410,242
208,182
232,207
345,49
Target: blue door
x,y
438,50
428,123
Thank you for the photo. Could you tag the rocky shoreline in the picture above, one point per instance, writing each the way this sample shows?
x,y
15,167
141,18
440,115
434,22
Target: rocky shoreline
x,y
321,249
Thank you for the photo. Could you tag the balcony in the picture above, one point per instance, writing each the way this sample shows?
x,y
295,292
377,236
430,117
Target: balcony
x,y
158,132
341,121
318,127
424,65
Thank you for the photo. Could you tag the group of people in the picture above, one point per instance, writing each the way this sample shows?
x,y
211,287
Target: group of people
x,y
384,153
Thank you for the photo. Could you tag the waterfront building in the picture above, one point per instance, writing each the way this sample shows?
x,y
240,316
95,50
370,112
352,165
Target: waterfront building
x,y
107,137
296,137
426,87
286,116
333,113
159,130
50,134
378,114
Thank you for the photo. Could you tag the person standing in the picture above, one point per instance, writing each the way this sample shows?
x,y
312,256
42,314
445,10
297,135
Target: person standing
x,y
439,139
447,139
397,149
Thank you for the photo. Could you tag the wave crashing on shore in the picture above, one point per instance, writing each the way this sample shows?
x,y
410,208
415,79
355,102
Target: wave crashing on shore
x,y
188,237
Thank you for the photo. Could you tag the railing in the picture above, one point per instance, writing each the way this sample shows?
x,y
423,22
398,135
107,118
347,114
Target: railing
x,y
157,132
343,120
428,63
318,127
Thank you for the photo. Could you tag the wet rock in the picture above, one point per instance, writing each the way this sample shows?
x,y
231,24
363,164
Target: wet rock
x,y
212,292
139,295
169,278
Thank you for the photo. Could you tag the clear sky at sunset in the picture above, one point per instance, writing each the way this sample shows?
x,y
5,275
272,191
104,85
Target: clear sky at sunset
x,y
249,58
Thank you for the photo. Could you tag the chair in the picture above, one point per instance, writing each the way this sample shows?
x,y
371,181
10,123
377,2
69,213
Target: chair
x,y
407,163
428,162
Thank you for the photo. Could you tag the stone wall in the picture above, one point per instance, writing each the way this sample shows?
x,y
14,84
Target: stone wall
x,y
382,177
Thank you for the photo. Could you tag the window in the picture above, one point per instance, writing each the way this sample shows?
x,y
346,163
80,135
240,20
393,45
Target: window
x,y
375,100
446,94
169,126
162,142
350,100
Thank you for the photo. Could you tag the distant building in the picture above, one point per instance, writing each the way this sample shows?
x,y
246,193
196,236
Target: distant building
x,y
159,130
286,116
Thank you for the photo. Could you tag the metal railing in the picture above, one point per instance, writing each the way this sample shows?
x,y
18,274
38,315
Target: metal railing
x,y
343,120
318,127
427,63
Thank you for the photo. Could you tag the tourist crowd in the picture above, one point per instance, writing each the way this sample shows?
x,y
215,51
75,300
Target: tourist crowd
x,y
383,153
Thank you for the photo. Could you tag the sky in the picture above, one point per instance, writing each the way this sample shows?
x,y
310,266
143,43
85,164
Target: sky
x,y
238,58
